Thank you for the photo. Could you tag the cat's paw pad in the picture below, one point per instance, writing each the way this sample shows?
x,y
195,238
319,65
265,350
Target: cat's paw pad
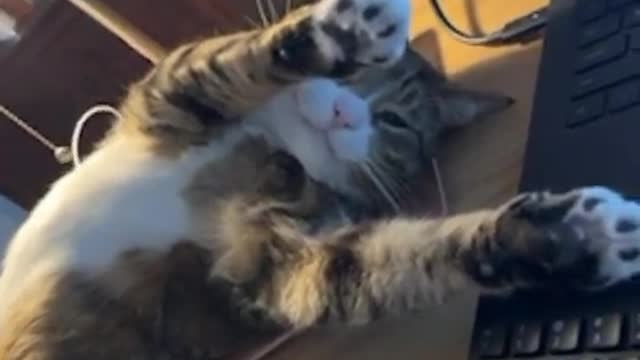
x,y
591,236
367,32
612,225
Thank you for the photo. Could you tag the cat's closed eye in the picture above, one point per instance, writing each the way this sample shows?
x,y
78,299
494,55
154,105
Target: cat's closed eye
x,y
391,119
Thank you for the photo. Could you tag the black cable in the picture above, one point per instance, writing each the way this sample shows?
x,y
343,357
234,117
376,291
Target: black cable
x,y
521,30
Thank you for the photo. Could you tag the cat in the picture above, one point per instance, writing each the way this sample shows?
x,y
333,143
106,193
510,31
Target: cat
x,y
184,228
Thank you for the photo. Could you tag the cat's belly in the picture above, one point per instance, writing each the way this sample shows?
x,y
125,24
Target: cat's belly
x,y
119,199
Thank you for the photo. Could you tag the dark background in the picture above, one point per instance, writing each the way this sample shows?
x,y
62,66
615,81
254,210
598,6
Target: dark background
x,y
66,62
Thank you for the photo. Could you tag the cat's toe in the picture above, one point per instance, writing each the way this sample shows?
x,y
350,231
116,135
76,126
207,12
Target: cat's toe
x,y
611,225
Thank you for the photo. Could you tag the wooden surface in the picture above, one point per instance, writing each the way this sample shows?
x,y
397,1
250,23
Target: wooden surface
x,y
482,163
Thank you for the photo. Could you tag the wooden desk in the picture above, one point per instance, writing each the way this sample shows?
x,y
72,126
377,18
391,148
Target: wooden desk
x,y
482,163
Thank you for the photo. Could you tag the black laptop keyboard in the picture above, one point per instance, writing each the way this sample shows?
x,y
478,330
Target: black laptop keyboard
x,y
606,325
608,40
560,326
607,336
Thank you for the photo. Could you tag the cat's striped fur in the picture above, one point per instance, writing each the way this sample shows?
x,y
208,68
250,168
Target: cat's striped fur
x,y
181,232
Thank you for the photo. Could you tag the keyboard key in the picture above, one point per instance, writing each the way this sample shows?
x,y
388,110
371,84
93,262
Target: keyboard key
x,y
634,329
604,332
617,3
492,341
587,109
616,71
527,339
632,16
564,336
624,95
591,9
601,53
599,30
634,43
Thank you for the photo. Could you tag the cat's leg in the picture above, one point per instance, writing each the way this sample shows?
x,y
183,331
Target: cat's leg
x,y
211,83
588,238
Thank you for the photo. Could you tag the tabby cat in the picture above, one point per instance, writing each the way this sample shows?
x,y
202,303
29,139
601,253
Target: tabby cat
x,y
188,228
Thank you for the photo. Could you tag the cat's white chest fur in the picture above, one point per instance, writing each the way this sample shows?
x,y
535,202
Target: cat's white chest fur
x,y
120,198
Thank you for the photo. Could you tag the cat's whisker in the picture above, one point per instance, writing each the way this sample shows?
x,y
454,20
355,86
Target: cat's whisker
x,y
373,178
401,186
254,24
395,185
372,172
272,11
262,13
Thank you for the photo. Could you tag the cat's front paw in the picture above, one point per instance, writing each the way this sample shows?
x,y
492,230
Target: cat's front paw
x,y
337,38
588,238
369,32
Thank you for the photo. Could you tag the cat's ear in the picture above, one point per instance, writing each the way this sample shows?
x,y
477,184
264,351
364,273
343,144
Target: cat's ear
x,y
461,106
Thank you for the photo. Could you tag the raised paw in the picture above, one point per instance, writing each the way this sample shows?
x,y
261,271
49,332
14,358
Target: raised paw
x,y
588,238
371,32
337,38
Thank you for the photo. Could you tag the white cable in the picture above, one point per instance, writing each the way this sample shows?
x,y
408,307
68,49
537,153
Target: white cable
x,y
77,130
61,153
27,128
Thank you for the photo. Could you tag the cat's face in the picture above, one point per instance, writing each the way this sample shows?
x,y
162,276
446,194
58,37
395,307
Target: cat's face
x,y
375,148
325,126
369,135
369,138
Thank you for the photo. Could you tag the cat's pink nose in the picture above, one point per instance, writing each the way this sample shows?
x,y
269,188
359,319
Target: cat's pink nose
x,y
340,121
349,112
